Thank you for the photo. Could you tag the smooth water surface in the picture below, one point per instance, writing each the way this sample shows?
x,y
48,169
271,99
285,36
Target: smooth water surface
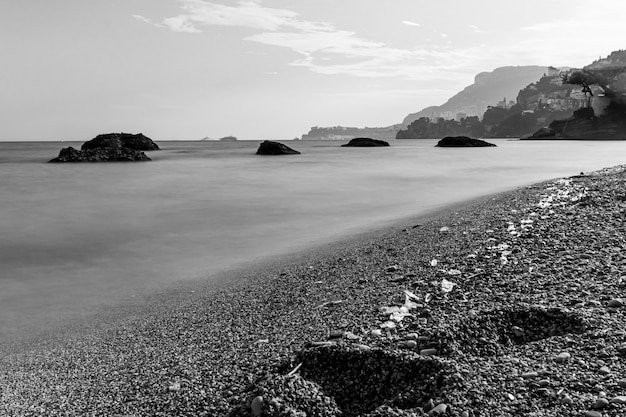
x,y
77,237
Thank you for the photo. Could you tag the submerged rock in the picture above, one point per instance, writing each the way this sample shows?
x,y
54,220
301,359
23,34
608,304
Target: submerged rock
x,y
461,142
269,147
366,142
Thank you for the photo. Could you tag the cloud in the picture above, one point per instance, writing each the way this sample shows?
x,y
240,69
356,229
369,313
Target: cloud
x,y
142,19
325,49
409,23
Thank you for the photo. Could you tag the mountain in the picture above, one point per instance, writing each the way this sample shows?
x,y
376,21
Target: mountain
x,y
489,89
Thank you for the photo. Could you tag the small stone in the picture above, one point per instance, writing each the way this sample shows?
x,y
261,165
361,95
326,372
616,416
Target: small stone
x,y
256,406
517,331
465,414
616,302
412,336
377,332
562,357
567,400
336,334
439,410
543,383
428,406
428,352
393,268
600,404
411,344
593,414
620,399
544,391
351,336
531,374
510,396
604,370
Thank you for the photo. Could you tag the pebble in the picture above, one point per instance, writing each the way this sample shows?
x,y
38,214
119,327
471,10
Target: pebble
x,y
622,383
531,374
543,383
256,406
439,410
517,331
604,370
593,414
600,403
412,336
567,400
411,344
428,352
616,302
620,399
562,357
336,334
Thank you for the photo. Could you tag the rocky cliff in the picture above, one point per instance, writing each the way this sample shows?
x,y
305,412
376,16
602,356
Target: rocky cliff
x,y
489,89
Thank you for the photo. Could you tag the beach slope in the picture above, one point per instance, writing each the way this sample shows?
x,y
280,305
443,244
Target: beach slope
x,y
510,305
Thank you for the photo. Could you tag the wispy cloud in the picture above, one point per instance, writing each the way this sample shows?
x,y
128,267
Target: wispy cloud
x,y
323,48
142,19
409,23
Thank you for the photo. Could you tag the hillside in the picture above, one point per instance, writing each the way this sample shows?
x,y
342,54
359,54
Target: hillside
x,y
488,89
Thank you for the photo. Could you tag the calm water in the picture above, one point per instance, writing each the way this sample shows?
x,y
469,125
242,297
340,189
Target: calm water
x,y
77,237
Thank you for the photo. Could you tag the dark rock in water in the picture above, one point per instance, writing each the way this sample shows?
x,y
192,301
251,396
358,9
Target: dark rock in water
x,y
110,147
111,154
269,147
462,141
127,140
366,142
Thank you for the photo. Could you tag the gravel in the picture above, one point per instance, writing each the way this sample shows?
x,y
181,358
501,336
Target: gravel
x,y
510,305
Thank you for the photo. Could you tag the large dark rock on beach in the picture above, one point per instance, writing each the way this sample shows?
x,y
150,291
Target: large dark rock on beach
x,y
269,147
462,142
366,143
110,147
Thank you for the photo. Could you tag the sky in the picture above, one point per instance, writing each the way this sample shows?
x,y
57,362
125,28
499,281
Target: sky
x,y
269,69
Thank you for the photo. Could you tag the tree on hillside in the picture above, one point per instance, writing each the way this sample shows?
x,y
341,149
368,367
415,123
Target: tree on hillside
x,y
587,78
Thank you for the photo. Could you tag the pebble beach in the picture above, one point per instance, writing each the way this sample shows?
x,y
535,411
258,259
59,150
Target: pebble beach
x,y
509,305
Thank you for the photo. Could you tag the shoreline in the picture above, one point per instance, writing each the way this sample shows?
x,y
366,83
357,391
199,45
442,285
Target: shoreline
x,y
196,353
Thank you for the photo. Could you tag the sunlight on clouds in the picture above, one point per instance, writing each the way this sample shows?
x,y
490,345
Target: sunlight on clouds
x,y
409,23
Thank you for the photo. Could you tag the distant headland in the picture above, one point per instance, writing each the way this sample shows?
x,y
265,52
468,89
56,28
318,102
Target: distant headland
x,y
531,102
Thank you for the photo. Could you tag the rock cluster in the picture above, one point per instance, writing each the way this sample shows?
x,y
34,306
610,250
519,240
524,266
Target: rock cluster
x,y
109,147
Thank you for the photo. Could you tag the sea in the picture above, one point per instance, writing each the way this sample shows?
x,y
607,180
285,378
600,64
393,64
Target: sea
x,y
79,238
